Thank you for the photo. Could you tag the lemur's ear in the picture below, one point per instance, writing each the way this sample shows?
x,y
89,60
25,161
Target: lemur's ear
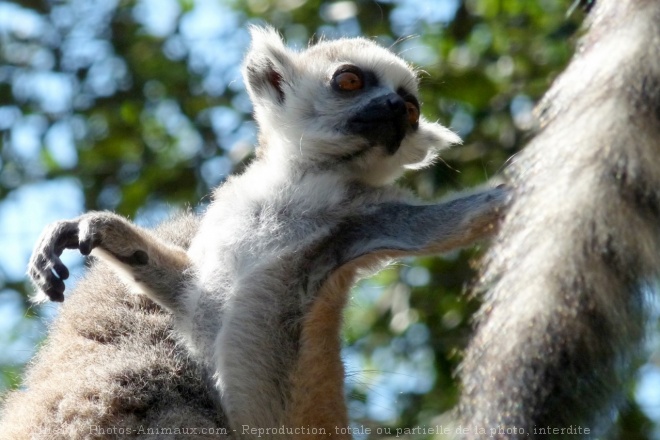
x,y
268,66
430,138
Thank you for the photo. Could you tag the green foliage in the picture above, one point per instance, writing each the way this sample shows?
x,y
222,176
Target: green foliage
x,y
141,104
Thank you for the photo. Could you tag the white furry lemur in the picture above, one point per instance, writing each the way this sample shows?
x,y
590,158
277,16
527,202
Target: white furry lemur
x,y
256,289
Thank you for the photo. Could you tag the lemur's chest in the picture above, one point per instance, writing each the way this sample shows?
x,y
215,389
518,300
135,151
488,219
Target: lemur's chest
x,y
272,230
254,241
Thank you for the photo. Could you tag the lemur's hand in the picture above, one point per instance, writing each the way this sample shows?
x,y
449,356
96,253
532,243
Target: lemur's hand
x,y
489,206
96,229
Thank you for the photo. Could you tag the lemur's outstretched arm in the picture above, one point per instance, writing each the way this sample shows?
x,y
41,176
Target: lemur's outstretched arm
x,y
400,229
153,267
146,263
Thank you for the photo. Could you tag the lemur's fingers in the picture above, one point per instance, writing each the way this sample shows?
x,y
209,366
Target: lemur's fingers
x,y
500,196
489,205
46,280
497,197
54,287
489,210
90,232
46,268
114,235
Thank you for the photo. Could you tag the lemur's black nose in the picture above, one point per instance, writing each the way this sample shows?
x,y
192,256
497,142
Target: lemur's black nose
x,y
396,104
387,108
383,121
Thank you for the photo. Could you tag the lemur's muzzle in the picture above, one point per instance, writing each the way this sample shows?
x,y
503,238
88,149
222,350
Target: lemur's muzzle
x,y
383,121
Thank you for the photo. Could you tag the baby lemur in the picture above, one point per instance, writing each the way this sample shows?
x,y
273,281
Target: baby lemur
x,y
258,295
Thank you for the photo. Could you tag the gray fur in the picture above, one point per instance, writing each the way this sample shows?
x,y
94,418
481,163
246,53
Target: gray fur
x,y
110,364
569,275
316,204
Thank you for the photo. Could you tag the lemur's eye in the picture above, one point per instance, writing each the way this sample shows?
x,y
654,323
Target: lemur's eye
x,y
413,113
348,79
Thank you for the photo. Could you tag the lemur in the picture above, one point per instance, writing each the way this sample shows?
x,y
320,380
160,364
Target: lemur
x,y
577,258
257,296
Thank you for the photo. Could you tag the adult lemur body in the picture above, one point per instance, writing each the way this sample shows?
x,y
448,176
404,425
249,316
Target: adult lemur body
x,y
257,297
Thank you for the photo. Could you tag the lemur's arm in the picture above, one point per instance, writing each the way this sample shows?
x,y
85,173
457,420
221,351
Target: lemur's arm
x,y
154,267
147,263
399,229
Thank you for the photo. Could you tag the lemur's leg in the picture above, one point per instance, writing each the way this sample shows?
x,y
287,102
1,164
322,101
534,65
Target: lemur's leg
x,y
146,263
399,229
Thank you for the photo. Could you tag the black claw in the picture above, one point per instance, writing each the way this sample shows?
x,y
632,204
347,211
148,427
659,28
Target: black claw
x,y
88,244
55,296
61,270
46,269
55,287
86,247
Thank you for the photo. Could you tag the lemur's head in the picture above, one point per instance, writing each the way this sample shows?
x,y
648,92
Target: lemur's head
x,y
346,104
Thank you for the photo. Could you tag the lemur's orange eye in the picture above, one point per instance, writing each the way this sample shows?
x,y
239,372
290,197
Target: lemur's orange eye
x,y
348,81
413,114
